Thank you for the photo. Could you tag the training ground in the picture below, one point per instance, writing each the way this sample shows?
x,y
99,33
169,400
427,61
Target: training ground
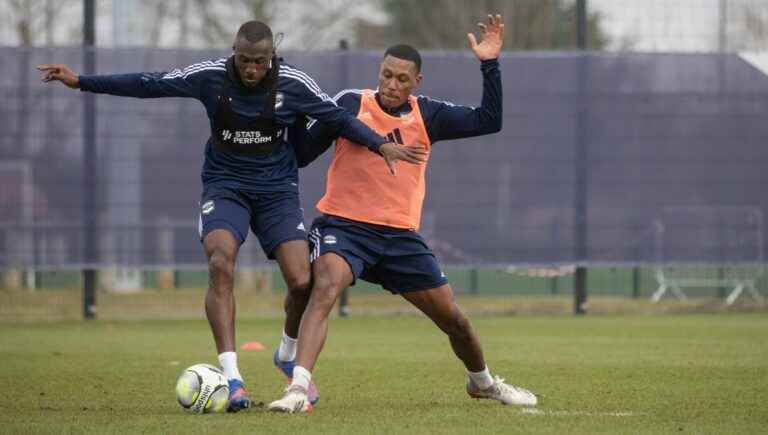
x,y
630,373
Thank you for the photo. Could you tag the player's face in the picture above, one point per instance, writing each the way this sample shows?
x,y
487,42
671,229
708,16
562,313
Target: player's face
x,y
398,78
252,60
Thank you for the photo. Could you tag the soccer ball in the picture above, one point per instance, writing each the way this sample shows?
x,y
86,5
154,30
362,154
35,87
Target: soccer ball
x,y
202,389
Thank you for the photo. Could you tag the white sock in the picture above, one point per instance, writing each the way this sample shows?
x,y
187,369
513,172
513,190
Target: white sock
x,y
301,377
482,379
228,361
287,349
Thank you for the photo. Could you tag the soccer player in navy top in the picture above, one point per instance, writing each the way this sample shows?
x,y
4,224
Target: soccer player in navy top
x,y
250,176
369,225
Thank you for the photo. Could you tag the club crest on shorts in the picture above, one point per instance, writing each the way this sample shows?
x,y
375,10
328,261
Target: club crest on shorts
x,y
208,207
329,240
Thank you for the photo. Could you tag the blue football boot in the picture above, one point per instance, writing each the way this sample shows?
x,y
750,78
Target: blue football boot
x,y
238,396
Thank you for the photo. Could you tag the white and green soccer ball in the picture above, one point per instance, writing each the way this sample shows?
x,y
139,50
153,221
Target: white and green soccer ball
x,y
202,389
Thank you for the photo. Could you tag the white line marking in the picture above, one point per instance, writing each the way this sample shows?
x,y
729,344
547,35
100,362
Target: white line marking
x,y
536,411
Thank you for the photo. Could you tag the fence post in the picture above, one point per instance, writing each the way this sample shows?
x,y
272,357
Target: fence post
x,y
474,281
553,284
344,49
165,278
90,218
581,162
635,282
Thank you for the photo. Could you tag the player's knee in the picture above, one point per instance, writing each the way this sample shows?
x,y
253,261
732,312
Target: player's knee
x,y
325,291
221,265
299,284
297,297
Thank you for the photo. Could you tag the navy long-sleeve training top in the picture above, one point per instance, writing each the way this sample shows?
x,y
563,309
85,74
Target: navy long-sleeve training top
x,y
298,95
443,120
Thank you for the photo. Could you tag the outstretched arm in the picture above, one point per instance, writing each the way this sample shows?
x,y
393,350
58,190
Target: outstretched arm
x,y
310,143
492,38
177,83
446,121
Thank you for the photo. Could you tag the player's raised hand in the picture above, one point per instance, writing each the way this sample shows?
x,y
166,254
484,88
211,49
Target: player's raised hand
x,y
491,38
392,152
59,72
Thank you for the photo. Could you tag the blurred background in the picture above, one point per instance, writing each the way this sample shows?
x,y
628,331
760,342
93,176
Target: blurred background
x,y
630,170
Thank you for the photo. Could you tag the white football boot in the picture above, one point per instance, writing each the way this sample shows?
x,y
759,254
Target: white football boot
x,y
294,400
504,393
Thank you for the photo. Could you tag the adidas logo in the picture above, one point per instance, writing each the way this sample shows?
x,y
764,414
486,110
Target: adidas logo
x,y
298,407
301,227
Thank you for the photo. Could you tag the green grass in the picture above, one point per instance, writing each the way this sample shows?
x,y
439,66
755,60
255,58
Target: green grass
x,y
689,374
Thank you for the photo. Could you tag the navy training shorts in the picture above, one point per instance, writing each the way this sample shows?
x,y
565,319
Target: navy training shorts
x,y
397,259
274,217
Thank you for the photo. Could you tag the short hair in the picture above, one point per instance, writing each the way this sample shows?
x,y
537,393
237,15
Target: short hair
x,y
254,31
405,52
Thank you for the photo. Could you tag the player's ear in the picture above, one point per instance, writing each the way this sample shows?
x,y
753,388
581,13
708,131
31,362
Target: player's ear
x,y
418,79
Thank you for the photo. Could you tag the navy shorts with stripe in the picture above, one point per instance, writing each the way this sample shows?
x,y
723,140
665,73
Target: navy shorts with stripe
x,y
274,217
397,259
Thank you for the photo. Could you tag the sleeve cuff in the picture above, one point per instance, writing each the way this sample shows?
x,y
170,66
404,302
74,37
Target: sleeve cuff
x,y
84,82
489,64
379,142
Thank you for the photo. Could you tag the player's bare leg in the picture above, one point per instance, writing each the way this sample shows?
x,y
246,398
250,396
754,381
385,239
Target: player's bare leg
x,y
221,248
331,274
293,258
439,305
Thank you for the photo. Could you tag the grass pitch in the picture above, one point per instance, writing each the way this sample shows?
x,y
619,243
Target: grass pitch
x,y
599,374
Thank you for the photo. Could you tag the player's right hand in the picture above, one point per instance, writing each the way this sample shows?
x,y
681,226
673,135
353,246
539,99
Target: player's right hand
x,y
59,72
392,152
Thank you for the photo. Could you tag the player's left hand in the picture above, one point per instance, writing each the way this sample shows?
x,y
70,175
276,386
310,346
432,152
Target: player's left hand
x,y
492,38
392,152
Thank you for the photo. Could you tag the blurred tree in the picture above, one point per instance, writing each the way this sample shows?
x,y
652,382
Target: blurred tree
x,y
314,17
34,21
159,17
530,24
756,26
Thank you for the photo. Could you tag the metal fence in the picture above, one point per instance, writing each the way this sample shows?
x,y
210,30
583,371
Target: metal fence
x,y
648,135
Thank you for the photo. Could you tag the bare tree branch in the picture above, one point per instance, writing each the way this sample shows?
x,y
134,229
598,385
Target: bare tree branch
x,y
332,14
213,31
35,21
756,25
160,15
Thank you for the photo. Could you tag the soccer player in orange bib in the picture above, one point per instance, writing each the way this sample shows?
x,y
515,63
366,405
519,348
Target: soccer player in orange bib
x,y
370,218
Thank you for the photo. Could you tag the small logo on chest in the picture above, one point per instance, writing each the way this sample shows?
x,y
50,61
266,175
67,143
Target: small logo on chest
x,y
279,98
208,207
